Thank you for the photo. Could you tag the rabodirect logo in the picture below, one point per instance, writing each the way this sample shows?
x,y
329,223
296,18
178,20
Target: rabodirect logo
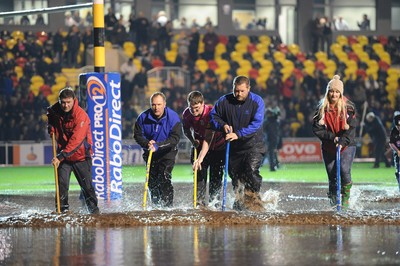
x,y
96,90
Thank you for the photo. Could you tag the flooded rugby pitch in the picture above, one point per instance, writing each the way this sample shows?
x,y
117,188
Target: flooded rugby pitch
x,y
297,228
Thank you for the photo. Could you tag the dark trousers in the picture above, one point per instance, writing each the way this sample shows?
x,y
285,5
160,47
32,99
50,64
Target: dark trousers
x,y
213,163
83,173
396,159
160,181
379,153
273,157
244,168
346,161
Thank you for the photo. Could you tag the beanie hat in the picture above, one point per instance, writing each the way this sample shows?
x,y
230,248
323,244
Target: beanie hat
x,y
396,120
370,116
335,83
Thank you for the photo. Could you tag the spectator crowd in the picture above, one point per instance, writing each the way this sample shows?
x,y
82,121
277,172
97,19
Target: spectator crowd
x,y
46,53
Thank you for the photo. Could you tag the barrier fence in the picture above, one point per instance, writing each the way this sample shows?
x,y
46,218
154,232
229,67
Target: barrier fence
x,y
37,154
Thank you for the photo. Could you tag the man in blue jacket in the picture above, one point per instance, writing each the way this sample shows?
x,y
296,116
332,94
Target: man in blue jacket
x,y
157,129
240,116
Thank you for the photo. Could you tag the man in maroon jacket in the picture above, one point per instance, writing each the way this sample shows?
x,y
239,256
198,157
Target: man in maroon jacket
x,y
71,126
210,147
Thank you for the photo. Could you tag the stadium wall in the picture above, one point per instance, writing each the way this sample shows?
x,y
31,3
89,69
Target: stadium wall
x,y
39,154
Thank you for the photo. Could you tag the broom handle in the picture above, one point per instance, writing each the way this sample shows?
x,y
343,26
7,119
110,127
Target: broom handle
x,y
53,142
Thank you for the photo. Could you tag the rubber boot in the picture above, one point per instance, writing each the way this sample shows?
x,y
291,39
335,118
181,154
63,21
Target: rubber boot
x,y
332,199
201,194
252,201
346,195
238,205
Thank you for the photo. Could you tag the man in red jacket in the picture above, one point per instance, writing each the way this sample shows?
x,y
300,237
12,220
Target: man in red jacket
x,y
71,126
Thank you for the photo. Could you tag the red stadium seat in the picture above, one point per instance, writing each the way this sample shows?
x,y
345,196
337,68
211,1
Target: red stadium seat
x,y
383,39
223,39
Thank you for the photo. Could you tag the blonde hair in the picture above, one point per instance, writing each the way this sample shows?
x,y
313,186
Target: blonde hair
x,y
324,106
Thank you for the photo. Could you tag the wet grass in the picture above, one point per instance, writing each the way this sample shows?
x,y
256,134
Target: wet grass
x,y
41,178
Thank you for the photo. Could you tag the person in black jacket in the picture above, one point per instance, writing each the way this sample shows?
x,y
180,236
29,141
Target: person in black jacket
x,y
273,136
394,144
377,132
240,116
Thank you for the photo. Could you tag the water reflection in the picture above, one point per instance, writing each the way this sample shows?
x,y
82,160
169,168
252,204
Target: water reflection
x,y
201,245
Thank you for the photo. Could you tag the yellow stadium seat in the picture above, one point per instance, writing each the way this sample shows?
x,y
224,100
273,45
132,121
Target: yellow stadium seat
x,y
236,56
52,98
372,72
10,43
241,47
265,40
266,64
300,117
19,71
330,63
279,56
18,35
201,64
393,71
174,46
37,78
351,64
362,39
378,47
288,64
129,48
262,79
262,47
357,48
244,39
308,63
108,44
61,79
244,63
222,63
138,63
201,48
294,49
310,70
171,56
372,63
342,40
364,57
321,56
335,47
385,56
350,71
222,76
258,55
294,127
242,71
10,55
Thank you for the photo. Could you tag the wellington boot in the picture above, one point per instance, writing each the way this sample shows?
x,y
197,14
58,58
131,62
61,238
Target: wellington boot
x,y
346,195
332,199
238,205
253,202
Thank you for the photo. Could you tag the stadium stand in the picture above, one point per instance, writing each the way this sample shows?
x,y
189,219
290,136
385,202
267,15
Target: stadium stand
x,y
31,75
